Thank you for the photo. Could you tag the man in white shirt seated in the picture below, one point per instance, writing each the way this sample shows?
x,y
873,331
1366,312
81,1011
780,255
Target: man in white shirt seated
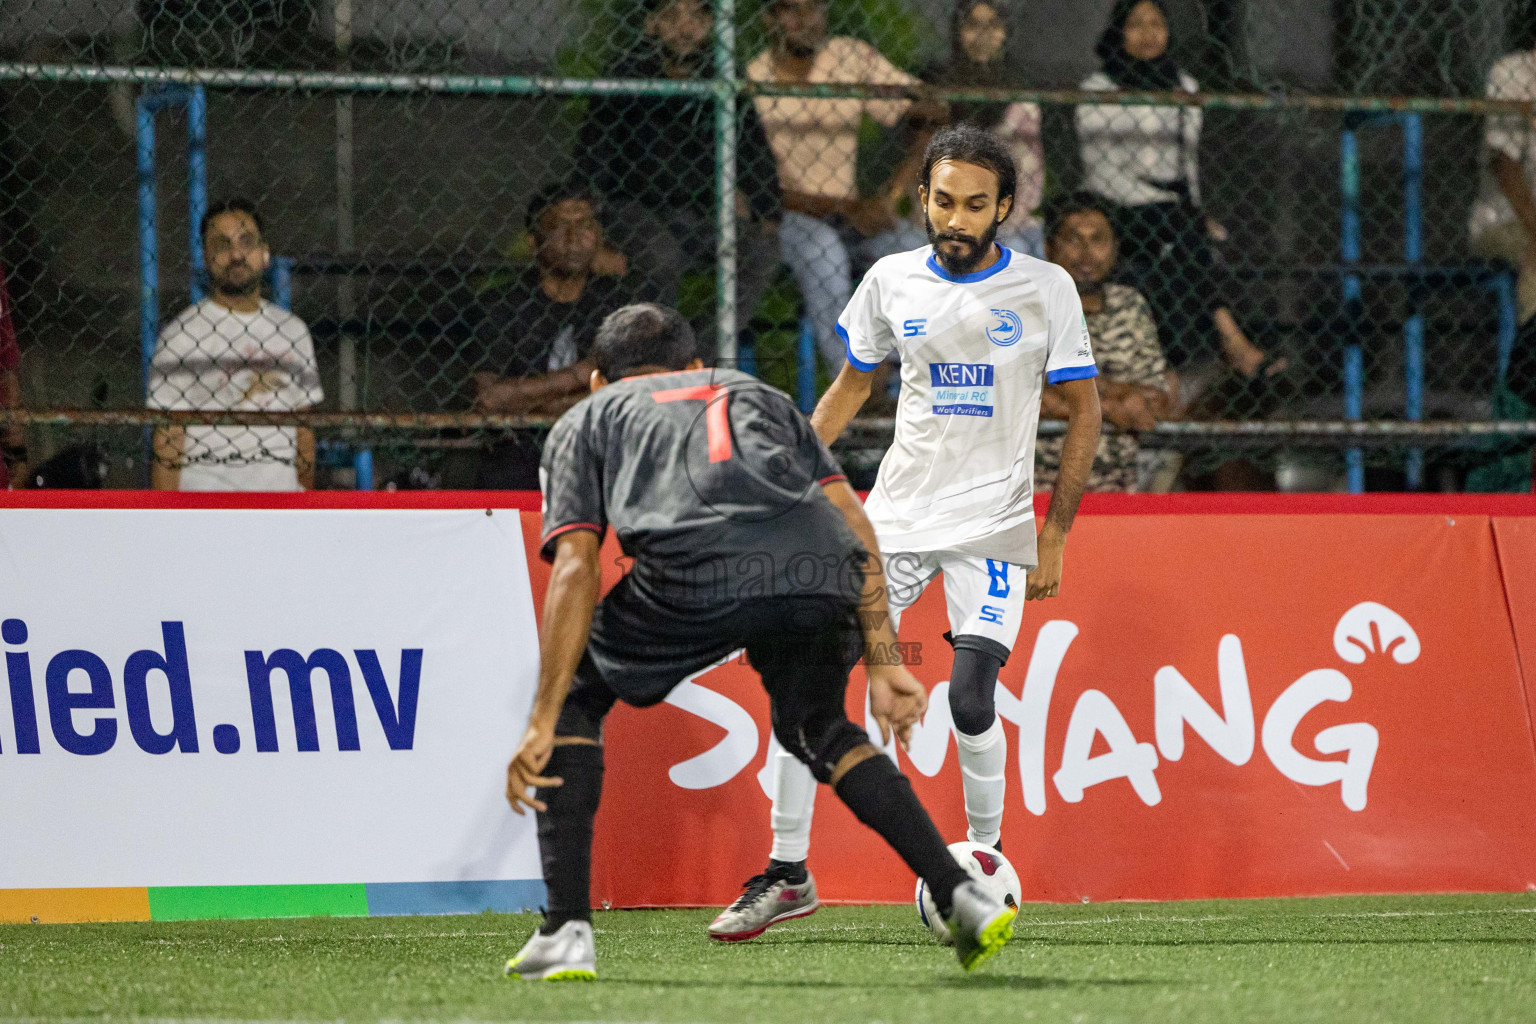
x,y
234,352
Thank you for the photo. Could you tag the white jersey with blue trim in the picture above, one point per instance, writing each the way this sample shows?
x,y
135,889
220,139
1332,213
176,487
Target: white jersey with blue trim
x,y
976,351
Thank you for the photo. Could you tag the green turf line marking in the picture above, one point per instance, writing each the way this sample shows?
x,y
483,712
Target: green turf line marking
x,y
206,902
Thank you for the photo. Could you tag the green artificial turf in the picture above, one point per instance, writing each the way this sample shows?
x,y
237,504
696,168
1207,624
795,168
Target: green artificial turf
x,y
1398,959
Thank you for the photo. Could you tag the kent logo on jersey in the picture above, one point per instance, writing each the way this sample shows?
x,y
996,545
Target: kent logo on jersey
x,y
961,389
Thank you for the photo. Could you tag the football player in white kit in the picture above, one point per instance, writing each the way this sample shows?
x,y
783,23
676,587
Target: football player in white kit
x,y
981,330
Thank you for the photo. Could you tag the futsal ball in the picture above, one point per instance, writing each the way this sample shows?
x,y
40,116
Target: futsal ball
x,y
989,868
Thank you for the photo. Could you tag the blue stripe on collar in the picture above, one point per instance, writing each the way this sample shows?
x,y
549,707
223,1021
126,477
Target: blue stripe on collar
x,y
1004,258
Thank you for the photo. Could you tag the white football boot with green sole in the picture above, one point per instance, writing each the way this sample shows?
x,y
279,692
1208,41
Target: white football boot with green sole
x,y
568,955
981,926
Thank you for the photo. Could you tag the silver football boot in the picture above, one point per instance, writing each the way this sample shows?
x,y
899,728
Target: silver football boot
x,y
568,955
767,901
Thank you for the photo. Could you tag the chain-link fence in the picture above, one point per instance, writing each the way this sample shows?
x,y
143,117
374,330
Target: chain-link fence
x,y
1302,229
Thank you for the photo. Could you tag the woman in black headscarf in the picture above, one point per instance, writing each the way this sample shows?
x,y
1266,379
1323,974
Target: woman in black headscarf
x,y
1147,160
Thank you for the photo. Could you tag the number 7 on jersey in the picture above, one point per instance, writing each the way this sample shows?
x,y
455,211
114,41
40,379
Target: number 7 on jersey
x,y
717,422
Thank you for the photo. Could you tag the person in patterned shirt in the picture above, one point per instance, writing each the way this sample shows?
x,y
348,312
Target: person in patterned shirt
x,y
1136,387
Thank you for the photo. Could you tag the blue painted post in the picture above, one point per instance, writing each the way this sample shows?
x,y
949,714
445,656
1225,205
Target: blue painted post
x,y
197,182
149,270
1354,360
805,365
1509,320
282,282
362,465
1413,252
149,255
746,358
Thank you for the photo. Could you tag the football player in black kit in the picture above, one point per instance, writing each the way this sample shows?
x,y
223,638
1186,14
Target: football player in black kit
x,y
744,534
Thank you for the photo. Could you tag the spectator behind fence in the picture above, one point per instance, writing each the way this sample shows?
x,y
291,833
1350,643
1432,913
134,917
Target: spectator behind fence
x,y
655,166
532,338
13,436
1503,221
1146,159
815,142
1136,388
234,352
981,58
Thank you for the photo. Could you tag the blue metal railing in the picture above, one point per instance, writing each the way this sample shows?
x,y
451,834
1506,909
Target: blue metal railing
x,y
1415,272
150,103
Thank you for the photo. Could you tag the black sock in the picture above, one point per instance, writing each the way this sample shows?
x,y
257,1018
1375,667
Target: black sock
x,y
565,833
791,871
882,798
553,921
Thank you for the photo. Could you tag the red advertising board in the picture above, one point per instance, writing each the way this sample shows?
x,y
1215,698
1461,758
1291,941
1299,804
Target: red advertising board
x,y
1516,539
1218,705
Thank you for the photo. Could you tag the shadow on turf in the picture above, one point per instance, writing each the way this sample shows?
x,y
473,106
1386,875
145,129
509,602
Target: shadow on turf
x,y
971,981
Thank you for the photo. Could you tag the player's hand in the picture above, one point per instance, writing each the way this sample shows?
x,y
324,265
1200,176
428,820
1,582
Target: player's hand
x,y
897,701
523,773
1045,579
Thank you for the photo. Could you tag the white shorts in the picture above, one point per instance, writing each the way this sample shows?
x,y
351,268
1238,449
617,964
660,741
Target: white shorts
x,y
985,597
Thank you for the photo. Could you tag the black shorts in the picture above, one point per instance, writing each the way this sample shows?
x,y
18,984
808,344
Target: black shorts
x,y
803,647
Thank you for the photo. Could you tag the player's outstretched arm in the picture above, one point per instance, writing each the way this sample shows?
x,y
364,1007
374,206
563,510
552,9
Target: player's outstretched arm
x,y
568,602
1084,420
843,399
896,699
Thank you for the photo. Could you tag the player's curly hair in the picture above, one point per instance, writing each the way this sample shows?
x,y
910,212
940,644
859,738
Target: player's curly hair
x,y
968,144
644,334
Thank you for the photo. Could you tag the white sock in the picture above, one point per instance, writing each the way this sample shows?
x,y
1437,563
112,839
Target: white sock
x,y
983,761
794,800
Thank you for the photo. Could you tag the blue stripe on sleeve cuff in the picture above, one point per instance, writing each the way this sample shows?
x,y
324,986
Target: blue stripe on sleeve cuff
x,y
1071,373
853,360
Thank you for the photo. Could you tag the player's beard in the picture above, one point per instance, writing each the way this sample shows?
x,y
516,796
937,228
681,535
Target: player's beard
x,y
976,252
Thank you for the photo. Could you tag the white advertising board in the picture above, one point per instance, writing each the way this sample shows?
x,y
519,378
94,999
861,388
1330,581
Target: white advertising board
x,y
219,697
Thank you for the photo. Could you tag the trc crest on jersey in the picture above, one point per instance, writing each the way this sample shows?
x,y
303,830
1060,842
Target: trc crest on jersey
x,y
1008,329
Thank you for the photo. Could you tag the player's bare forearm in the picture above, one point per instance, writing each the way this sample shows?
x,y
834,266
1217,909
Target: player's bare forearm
x,y
896,699
843,399
568,602
1084,419
1084,423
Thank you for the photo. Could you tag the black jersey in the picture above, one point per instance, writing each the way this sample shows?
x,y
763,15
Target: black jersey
x,y
712,481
